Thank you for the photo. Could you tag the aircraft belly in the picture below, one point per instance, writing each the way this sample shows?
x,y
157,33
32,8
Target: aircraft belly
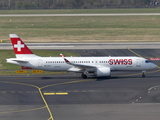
x,y
122,67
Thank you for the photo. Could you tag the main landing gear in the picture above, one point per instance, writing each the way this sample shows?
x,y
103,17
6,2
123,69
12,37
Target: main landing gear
x,y
84,76
143,75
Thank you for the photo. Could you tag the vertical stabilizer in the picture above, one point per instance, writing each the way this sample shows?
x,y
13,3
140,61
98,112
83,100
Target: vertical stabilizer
x,y
20,48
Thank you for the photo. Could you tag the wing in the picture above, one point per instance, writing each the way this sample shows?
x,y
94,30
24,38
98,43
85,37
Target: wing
x,y
80,66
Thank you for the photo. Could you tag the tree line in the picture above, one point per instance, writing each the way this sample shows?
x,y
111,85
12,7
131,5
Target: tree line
x,y
75,4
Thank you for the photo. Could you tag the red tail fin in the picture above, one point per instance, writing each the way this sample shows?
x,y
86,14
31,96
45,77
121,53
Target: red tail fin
x,y
18,45
20,48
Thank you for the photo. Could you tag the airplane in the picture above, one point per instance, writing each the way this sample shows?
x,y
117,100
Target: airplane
x,y
99,66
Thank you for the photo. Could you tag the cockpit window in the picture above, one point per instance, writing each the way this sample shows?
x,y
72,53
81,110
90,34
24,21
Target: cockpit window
x,y
147,61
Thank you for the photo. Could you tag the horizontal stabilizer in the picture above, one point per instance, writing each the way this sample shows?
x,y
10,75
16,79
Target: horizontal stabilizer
x,y
17,60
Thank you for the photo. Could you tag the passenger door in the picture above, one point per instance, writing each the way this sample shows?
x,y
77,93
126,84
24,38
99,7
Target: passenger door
x,y
138,63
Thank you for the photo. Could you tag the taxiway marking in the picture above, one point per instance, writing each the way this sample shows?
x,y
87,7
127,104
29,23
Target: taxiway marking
x,y
42,96
67,83
65,93
134,52
23,110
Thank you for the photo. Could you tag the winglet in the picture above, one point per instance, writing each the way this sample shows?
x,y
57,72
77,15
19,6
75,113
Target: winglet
x,y
67,61
62,55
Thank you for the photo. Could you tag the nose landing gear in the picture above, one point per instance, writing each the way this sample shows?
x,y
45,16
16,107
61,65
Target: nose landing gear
x,y
143,74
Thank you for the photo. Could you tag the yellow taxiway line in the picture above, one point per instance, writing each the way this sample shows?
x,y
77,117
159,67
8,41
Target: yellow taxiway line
x,y
41,94
134,52
65,93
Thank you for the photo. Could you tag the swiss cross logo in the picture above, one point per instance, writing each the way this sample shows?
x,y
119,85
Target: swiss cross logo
x,y
19,46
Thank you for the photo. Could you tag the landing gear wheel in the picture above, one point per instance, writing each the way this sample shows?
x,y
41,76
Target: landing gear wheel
x,y
143,75
84,76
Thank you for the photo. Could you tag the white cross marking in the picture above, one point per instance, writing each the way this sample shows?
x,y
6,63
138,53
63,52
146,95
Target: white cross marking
x,y
19,46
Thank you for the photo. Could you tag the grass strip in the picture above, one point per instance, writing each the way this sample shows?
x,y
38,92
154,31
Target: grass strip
x,y
82,29
81,11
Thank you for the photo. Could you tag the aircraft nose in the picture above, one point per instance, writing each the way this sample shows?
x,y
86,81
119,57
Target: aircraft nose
x,y
154,65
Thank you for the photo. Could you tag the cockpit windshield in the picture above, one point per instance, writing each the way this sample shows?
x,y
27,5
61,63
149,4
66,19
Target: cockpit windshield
x,y
147,61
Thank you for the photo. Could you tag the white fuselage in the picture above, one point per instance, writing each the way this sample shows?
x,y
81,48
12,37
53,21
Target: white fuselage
x,y
58,63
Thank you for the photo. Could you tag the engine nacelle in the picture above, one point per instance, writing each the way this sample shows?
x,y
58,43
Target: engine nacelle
x,y
103,72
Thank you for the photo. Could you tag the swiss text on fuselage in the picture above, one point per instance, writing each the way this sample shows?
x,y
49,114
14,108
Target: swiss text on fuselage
x,y
120,61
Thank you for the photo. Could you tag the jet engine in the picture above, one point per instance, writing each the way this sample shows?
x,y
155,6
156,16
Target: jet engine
x,y
103,72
